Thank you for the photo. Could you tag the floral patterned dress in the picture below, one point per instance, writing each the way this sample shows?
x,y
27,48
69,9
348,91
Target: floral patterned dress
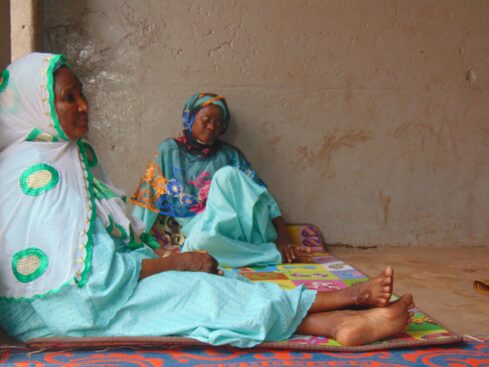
x,y
220,202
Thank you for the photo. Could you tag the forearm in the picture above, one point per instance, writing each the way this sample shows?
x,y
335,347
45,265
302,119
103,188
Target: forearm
x,y
154,266
283,235
188,261
289,251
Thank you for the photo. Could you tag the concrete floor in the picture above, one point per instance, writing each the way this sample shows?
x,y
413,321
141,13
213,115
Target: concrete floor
x,y
439,278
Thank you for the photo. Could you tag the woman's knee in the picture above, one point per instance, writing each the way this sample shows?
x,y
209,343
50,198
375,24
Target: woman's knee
x,y
227,173
198,240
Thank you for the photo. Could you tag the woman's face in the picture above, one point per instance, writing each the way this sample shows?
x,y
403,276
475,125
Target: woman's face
x,y
71,105
208,124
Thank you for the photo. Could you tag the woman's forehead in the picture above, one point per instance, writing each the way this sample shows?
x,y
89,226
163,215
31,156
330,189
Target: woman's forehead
x,y
210,110
65,77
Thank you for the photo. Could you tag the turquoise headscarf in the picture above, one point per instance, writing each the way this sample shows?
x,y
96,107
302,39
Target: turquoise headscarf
x,y
201,100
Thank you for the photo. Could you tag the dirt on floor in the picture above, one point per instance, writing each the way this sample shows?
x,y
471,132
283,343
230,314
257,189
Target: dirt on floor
x,y
441,280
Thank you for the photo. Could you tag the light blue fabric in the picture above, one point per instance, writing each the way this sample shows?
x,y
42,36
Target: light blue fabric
x,y
235,226
113,278
224,206
210,308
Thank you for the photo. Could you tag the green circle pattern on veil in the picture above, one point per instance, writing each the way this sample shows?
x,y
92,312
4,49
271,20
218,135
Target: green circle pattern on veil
x,y
38,178
4,77
29,264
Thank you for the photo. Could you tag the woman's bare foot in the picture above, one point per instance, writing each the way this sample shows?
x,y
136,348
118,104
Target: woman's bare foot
x,y
363,327
376,292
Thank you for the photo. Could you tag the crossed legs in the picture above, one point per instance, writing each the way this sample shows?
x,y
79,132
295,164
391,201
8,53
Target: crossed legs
x,y
381,319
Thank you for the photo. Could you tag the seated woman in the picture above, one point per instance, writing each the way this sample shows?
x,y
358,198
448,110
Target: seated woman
x,y
209,188
72,263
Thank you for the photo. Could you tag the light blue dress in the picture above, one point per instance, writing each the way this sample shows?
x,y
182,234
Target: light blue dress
x,y
214,309
223,206
236,224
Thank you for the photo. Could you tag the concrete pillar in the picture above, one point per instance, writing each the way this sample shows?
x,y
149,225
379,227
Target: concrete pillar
x,y
26,35
4,33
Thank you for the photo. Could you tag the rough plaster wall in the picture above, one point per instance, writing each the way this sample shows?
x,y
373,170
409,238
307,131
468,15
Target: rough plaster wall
x,y
370,119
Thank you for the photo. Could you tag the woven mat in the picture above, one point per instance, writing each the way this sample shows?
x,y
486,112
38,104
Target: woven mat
x,y
474,353
324,274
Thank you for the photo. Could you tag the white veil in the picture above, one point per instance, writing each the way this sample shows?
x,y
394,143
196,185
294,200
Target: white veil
x,y
51,189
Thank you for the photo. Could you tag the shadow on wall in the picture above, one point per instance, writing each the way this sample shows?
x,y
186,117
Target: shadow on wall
x,y
4,33
52,39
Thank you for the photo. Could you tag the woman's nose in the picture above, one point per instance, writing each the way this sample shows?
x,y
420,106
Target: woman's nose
x,y
212,126
83,105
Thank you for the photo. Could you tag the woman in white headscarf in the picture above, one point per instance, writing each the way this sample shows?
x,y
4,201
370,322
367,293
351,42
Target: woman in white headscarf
x,y
73,264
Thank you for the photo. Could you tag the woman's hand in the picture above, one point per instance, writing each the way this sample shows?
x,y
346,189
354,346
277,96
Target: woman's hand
x,y
186,261
197,261
294,254
289,251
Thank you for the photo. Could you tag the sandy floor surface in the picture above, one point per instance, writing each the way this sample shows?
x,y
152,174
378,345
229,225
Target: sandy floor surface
x,y
439,278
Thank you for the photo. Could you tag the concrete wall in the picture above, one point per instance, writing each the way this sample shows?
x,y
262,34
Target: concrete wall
x,y
368,118
26,27
4,33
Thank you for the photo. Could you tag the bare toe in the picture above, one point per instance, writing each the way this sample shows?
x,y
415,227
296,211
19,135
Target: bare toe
x,y
376,292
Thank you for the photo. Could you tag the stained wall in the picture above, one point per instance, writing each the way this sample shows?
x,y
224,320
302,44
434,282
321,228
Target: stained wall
x,y
367,118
